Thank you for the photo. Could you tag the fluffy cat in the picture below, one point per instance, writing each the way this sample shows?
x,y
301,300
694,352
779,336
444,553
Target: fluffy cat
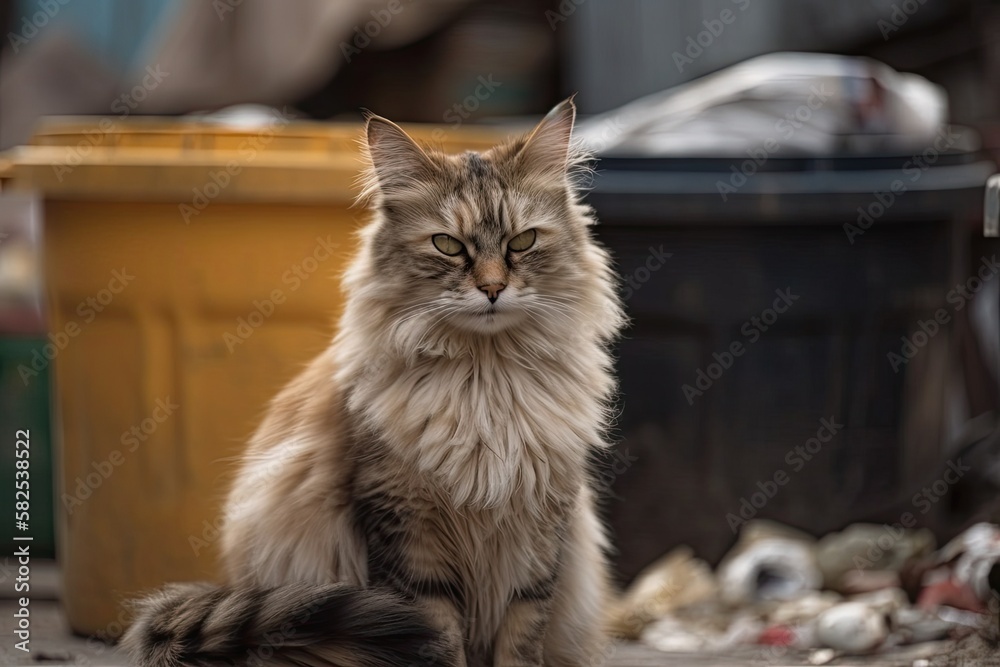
x,y
419,495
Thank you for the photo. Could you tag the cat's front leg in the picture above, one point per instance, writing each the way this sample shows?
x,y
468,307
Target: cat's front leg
x,y
444,615
521,640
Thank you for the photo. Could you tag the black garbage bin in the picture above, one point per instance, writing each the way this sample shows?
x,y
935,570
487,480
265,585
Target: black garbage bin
x,y
797,349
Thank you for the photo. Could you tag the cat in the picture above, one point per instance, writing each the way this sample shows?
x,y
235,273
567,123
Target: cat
x,y
420,495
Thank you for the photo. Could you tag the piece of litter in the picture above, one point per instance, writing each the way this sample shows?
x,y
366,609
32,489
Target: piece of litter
x,y
853,627
822,656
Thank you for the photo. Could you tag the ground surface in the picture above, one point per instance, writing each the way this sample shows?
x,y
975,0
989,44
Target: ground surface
x,y
53,645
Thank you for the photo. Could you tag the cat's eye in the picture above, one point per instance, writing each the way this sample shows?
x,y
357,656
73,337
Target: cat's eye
x,y
447,244
522,241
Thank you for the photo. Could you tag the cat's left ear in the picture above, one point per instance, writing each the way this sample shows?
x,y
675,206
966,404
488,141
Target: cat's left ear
x,y
547,148
397,162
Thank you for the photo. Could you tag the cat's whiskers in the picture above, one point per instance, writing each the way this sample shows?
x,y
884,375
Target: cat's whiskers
x,y
562,303
433,328
419,310
541,324
546,324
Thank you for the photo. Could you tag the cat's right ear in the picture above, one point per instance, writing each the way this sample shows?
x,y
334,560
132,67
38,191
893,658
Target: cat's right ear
x,y
397,162
547,149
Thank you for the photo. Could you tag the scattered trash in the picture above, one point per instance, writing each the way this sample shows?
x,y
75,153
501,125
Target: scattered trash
x,y
779,590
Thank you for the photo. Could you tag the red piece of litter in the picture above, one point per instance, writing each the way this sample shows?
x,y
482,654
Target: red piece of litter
x,y
777,635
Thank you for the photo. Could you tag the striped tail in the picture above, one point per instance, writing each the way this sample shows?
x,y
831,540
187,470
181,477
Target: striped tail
x,y
298,625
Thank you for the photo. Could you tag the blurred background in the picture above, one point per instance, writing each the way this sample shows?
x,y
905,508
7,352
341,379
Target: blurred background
x,y
78,57
793,191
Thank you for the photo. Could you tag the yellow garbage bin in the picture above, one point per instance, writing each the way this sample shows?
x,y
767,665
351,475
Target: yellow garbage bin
x,y
192,270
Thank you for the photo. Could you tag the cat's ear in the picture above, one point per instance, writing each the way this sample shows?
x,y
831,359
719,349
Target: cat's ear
x,y
547,148
396,161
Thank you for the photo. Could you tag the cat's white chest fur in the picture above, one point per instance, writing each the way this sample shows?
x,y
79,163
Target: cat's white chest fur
x,y
487,429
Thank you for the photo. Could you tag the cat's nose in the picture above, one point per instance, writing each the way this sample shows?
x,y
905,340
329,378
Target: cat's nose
x,y
492,290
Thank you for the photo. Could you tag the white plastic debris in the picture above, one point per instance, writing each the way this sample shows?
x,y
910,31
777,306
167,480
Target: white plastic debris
x,y
771,568
962,618
852,627
822,656
991,207
673,634
832,98
915,626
